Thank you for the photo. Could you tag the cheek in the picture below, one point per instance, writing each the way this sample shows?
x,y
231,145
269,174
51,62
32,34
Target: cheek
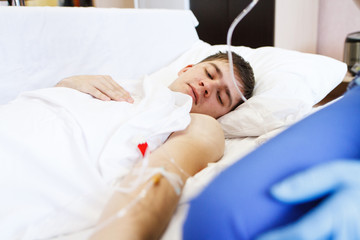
x,y
177,86
218,110
210,108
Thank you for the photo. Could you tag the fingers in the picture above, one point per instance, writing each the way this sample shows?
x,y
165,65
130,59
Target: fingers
x,y
102,87
112,89
317,224
318,181
335,218
97,94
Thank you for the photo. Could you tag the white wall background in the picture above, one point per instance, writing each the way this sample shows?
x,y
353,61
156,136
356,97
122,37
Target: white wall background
x,y
315,26
337,18
296,24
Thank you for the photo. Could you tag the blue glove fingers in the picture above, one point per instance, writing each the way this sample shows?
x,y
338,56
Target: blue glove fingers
x,y
337,218
318,181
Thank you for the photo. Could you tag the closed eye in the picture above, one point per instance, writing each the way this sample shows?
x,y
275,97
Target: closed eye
x,y
219,98
208,74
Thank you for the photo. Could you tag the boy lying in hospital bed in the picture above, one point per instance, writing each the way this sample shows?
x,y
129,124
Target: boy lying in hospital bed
x,y
56,112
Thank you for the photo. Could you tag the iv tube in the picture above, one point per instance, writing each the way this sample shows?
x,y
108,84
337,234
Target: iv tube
x,y
228,42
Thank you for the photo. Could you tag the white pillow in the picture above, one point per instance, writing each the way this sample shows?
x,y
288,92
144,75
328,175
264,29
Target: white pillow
x,y
288,84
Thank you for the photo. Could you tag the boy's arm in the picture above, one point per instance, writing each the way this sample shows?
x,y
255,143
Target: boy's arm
x,y
192,149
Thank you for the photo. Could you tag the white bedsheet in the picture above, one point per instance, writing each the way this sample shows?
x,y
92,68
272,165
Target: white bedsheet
x,y
61,149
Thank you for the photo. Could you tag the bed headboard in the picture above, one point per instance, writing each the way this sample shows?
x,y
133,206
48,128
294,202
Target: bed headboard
x,y
41,45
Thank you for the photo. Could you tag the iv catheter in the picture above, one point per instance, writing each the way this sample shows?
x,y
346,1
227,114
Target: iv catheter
x,y
228,42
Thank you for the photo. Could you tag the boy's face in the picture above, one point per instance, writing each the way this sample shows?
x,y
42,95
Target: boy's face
x,y
210,86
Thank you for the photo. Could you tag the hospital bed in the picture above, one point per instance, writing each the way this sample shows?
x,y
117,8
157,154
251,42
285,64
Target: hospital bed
x,y
39,46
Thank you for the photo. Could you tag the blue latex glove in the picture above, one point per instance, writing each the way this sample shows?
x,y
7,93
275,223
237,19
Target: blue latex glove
x,y
337,217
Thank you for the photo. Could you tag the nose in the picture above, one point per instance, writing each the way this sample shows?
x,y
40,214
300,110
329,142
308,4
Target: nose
x,y
207,87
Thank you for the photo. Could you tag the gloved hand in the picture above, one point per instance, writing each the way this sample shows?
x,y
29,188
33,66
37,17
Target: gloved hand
x,y
337,217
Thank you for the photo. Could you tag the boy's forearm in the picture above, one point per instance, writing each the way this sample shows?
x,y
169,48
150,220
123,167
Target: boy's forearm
x,y
148,218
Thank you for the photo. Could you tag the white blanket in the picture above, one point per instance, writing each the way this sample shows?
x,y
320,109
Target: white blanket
x,y
61,150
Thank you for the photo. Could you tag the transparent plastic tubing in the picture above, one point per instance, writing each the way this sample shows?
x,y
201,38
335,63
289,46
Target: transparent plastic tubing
x,y
228,43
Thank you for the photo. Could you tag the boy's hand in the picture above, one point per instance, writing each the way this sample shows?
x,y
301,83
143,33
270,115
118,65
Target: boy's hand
x,y
102,87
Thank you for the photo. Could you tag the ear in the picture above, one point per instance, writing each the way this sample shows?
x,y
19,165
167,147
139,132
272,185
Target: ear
x,y
185,69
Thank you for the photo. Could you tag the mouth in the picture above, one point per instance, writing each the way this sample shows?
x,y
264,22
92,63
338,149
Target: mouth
x,y
194,94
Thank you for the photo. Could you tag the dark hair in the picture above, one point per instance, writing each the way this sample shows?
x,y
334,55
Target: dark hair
x,y
243,72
